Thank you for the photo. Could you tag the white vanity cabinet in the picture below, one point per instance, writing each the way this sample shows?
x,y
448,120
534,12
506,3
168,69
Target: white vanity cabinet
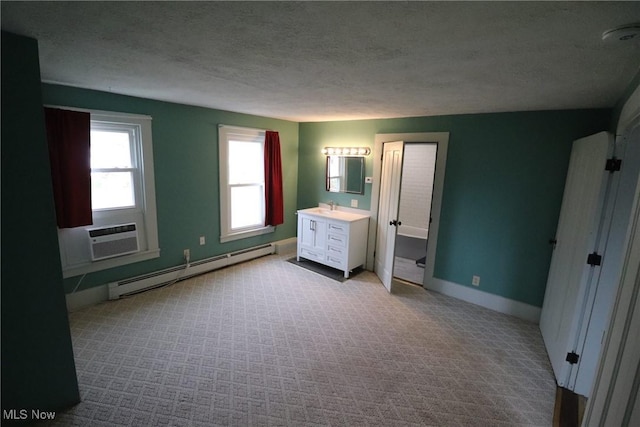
x,y
334,238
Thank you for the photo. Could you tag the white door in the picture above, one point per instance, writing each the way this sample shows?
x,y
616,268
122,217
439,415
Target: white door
x,y
618,213
388,211
578,228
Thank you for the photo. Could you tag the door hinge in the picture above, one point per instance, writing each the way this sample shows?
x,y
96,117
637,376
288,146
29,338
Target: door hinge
x,y
572,358
613,165
594,259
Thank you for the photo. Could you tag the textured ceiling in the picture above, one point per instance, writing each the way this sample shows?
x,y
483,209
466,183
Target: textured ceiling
x,y
314,61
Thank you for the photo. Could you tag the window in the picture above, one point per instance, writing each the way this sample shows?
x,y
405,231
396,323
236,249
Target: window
x,y
122,191
242,202
114,168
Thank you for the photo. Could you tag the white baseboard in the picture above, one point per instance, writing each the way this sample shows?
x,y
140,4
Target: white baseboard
x,y
494,302
286,246
98,294
86,298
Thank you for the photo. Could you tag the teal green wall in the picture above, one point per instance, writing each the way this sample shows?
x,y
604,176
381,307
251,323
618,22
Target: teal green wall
x,y
503,188
38,370
315,136
185,153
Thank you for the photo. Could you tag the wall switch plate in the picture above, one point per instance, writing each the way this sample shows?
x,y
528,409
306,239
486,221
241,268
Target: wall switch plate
x,y
202,241
475,281
354,203
368,180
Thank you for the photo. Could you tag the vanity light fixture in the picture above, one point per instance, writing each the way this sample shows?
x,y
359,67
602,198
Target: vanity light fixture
x,y
346,151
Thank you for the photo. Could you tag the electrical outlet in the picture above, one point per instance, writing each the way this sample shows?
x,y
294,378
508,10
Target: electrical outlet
x,y
354,203
475,281
187,254
201,240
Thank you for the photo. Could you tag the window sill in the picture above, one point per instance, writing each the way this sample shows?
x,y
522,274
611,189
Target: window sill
x,y
245,234
90,267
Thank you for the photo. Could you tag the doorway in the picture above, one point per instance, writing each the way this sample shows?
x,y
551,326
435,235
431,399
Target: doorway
x,y
383,224
414,211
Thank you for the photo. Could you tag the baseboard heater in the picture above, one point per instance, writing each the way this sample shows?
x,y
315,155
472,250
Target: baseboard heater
x,y
159,278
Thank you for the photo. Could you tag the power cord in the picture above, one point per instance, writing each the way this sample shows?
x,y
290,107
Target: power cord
x,y
78,284
179,275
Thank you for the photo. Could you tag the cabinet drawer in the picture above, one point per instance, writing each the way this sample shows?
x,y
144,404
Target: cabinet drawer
x,y
336,251
338,228
335,261
337,239
312,255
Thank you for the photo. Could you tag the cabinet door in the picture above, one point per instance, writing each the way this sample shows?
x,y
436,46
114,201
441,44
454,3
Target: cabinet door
x,y
320,227
306,234
312,233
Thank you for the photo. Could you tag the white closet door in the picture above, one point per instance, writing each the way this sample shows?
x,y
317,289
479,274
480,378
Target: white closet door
x,y
618,214
569,274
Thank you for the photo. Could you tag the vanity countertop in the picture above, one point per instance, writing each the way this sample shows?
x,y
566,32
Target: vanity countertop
x,y
333,214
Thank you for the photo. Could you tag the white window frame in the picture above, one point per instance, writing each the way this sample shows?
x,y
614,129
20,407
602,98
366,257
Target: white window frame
x,y
225,134
75,253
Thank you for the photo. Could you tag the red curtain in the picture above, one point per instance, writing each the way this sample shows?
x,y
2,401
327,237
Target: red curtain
x,y
69,139
274,209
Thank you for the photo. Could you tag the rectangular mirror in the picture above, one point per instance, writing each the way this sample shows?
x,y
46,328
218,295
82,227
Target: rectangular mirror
x,y
345,174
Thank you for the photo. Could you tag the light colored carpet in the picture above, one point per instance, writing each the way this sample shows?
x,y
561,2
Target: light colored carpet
x,y
266,343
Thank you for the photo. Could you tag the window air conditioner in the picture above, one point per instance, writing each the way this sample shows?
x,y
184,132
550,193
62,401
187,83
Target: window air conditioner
x,y
113,240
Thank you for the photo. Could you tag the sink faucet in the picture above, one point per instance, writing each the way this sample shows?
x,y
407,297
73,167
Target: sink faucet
x,y
332,204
